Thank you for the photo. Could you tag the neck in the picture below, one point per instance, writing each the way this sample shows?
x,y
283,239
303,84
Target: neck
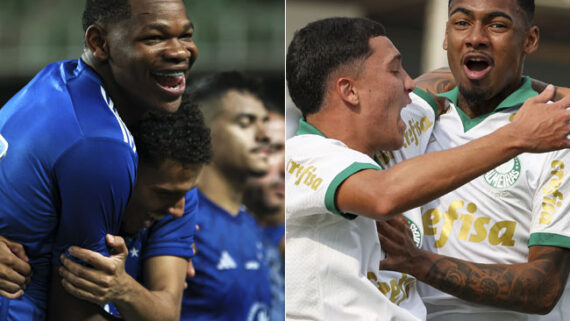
x,y
475,105
340,126
128,113
224,190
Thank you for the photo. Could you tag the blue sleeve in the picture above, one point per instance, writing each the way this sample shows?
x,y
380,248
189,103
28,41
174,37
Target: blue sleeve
x,y
171,236
95,180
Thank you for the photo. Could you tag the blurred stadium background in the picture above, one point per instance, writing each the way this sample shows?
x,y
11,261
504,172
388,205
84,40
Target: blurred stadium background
x,y
244,35
416,27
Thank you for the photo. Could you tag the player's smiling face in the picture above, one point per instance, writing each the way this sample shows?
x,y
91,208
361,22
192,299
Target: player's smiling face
x,y
158,192
150,54
486,43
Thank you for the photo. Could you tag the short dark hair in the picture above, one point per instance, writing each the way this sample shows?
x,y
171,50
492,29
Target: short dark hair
x,y
181,136
526,5
218,84
319,49
105,11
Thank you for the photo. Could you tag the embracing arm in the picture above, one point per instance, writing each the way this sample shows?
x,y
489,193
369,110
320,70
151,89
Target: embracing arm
x,y
94,191
107,281
532,287
15,272
537,127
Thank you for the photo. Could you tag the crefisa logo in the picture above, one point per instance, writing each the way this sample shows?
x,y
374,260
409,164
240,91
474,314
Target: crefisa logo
x,y
504,175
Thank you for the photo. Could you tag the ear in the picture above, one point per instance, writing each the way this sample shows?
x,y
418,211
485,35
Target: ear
x,y
346,90
445,38
96,42
531,40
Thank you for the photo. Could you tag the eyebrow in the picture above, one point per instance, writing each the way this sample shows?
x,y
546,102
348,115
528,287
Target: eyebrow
x,y
490,15
397,58
163,28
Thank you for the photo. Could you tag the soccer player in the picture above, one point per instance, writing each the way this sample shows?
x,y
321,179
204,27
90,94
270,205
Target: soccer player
x,y
265,198
232,279
347,78
173,149
69,161
512,220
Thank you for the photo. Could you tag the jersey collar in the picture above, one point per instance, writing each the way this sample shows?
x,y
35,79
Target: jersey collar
x,y
515,99
308,129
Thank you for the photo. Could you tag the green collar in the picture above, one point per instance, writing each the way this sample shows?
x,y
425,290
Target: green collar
x,y
517,98
306,128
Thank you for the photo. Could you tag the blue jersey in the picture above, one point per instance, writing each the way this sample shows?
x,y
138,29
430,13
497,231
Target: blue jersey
x,y
66,176
272,237
232,279
169,236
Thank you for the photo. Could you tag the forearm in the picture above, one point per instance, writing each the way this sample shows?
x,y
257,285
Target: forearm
x,y
421,179
142,304
532,287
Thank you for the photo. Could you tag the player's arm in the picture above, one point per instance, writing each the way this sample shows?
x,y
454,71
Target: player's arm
x,y
15,272
537,127
107,281
532,287
95,179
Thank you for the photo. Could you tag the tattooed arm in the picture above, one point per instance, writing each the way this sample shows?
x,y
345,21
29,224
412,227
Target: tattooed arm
x,y
532,287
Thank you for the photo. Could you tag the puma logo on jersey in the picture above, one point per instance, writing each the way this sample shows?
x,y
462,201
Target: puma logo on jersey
x,y
467,226
3,147
226,262
306,175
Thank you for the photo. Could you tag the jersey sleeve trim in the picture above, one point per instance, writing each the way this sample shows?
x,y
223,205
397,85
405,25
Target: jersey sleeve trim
x,y
341,177
549,239
428,98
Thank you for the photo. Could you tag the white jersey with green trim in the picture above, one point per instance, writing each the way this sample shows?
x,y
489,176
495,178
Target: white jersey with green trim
x,y
332,258
497,216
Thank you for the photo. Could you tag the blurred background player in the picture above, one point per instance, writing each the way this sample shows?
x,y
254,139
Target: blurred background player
x,y
232,278
147,282
67,175
265,198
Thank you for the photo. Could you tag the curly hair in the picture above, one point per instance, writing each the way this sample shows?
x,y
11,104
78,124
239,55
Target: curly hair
x,y
320,48
182,136
105,11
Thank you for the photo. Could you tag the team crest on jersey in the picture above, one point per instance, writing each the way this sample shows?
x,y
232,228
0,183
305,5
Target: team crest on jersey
x,y
416,233
3,147
504,175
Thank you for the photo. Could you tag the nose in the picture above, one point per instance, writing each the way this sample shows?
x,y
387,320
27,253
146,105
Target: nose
x,y
180,51
477,36
261,133
177,210
409,83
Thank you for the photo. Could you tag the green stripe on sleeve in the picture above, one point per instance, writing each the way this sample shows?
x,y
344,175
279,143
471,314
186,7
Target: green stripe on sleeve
x,y
428,98
341,177
549,239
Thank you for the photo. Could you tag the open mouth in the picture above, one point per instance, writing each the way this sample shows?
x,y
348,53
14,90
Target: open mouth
x,y
172,83
477,66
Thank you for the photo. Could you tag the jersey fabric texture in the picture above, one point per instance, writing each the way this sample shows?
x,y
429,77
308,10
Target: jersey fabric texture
x,y
272,236
332,258
66,174
232,278
496,217
169,236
